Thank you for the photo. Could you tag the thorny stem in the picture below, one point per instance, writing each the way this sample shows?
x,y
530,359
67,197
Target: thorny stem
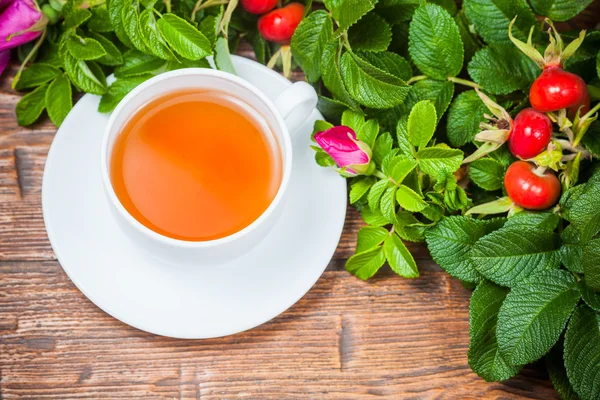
x,y
26,60
463,82
416,79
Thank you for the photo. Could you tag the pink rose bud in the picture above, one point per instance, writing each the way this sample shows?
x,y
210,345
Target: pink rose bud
x,y
4,59
347,151
20,22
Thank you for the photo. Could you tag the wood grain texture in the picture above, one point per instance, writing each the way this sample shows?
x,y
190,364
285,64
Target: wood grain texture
x,y
346,339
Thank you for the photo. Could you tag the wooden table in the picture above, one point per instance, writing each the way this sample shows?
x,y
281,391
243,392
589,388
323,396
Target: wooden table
x,y
346,339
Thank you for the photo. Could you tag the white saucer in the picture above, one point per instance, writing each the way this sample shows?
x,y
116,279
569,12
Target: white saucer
x,y
187,302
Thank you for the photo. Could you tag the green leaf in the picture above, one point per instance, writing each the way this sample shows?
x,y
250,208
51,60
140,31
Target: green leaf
x,y
331,74
353,120
399,258
491,19
512,254
183,37
118,90
366,264
591,263
376,192
374,217
152,37
30,107
409,199
115,8
360,187
348,12
582,349
464,116
502,69
421,123
84,48
400,167
591,298
75,18
209,26
388,204
368,132
397,11
371,33
131,25
408,227
451,240
487,173
470,41
138,63
36,75
534,315
389,62
259,45
571,251
438,162
100,21
83,76
113,56
222,57
402,137
558,374
559,10
370,237
440,93
435,45
546,220
59,99
369,85
484,356
583,211
309,41
383,145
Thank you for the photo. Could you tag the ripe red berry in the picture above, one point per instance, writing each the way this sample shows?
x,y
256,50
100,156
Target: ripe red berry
x,y
279,25
555,89
258,6
529,189
531,133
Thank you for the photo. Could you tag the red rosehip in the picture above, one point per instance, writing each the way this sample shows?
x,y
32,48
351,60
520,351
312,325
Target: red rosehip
x,y
529,189
258,6
555,89
279,25
531,133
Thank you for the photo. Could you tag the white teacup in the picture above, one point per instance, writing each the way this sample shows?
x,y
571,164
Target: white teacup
x,y
283,115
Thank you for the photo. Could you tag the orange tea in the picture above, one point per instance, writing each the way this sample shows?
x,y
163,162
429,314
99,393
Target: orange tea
x,y
195,166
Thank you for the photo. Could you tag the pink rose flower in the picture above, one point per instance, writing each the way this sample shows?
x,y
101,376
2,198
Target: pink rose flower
x,y
347,151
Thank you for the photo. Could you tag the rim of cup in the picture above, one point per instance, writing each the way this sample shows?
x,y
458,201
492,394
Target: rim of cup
x,y
285,148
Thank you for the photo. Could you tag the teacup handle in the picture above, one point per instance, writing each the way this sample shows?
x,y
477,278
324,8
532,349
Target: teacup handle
x,y
295,104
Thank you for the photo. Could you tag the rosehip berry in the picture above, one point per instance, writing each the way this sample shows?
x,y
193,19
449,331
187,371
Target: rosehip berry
x,y
279,25
529,188
531,133
555,89
258,6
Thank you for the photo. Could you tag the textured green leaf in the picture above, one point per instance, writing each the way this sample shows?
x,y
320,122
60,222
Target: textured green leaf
x,y
100,21
558,374
400,167
487,173
31,106
571,250
502,69
370,237
402,137
137,63
591,263
371,86
583,211
464,116
183,37
383,145
376,192
152,37
209,26
591,298
131,25
409,199
582,352
408,227
371,33
439,92
389,62
534,315
373,217
59,100
559,10
451,240
118,90
113,56
421,123
546,220
484,356
332,77
470,41
353,120
348,12
368,132
309,41
435,45
37,74
491,18
360,187
438,162
84,48
397,11
387,204
366,264
75,18
84,77
512,254
115,8
399,258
